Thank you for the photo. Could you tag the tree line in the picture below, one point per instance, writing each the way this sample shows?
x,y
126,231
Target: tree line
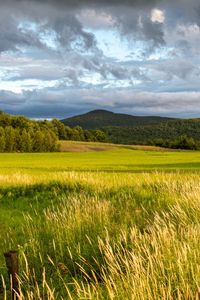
x,y
176,134
20,134
182,142
27,140
76,133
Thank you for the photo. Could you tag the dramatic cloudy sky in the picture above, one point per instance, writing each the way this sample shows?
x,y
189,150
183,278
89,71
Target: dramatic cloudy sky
x,y
64,57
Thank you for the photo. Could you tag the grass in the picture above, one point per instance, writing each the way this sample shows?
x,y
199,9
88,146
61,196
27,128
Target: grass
x,y
119,159
110,224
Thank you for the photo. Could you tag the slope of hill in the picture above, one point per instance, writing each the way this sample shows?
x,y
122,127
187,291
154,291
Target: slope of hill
x,y
127,129
144,134
103,118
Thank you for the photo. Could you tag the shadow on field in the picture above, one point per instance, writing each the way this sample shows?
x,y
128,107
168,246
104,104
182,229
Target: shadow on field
x,y
38,195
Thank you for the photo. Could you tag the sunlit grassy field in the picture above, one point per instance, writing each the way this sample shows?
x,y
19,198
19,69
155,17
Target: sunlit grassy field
x,y
115,224
114,160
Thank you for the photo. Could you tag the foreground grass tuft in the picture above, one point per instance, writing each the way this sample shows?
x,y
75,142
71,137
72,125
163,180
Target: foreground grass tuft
x,y
104,236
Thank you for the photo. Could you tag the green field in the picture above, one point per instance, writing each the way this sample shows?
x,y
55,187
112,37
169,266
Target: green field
x,y
114,224
119,159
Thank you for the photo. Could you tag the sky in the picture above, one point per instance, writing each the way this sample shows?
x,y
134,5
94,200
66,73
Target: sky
x,y
60,58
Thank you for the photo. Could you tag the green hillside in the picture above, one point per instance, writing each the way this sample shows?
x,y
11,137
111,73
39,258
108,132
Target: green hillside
x,y
127,129
169,130
101,118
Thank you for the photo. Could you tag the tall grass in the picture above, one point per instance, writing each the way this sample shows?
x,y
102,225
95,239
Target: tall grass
x,y
107,236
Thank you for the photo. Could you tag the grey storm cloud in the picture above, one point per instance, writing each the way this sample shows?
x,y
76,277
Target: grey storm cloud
x,y
8,99
82,3
83,76
174,68
45,103
132,18
11,36
61,17
65,24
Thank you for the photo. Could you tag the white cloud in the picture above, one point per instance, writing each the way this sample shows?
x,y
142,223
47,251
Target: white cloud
x,y
157,15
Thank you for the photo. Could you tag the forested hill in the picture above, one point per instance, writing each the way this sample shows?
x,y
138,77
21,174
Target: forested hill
x,y
156,134
127,129
103,118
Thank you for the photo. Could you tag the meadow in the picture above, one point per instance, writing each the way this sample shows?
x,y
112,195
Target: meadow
x,y
114,223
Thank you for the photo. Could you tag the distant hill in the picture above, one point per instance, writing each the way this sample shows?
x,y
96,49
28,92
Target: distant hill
x,y
127,129
103,118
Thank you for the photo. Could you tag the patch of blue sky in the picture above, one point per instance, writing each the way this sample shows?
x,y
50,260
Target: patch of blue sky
x,y
46,37
49,38
25,26
110,42
113,46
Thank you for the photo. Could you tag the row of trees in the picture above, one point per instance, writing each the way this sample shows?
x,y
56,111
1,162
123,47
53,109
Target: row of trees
x,y
183,142
77,133
60,130
20,134
23,140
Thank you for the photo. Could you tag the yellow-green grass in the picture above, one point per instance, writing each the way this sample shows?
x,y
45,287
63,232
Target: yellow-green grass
x,y
112,224
115,160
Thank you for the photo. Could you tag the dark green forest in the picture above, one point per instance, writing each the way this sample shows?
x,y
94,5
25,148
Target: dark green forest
x,y
183,134
20,134
127,129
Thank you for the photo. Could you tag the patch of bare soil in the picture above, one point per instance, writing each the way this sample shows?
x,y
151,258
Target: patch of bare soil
x,y
76,147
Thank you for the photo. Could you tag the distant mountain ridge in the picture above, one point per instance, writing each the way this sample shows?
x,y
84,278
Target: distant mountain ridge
x,y
128,129
104,118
